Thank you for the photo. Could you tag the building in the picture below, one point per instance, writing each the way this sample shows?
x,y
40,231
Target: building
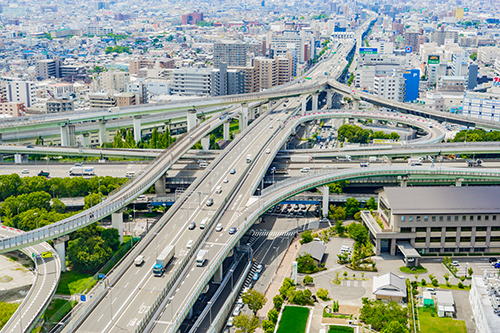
x,y
388,86
11,109
488,54
441,37
483,298
436,219
55,105
191,81
47,68
371,65
472,80
482,105
300,42
389,287
114,80
127,98
135,65
412,39
20,92
459,64
445,303
315,249
140,88
227,81
230,52
192,18
102,101
411,85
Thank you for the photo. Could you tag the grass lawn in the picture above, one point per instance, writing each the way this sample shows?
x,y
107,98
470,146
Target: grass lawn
x,y
72,283
293,320
340,329
6,311
55,305
430,324
408,270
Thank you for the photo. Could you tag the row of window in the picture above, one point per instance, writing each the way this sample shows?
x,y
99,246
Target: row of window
x,y
454,239
447,229
449,218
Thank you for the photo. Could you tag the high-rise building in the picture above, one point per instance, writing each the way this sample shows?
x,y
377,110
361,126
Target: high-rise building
x,y
56,105
488,54
11,109
412,39
440,37
300,42
231,52
114,80
191,81
227,81
459,64
192,18
48,68
21,92
411,85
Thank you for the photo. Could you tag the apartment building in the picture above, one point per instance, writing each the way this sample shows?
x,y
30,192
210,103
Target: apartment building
x,y
47,68
488,54
127,98
226,81
413,39
102,101
114,80
441,37
20,92
300,42
482,105
191,81
436,219
230,52
56,105
371,65
11,109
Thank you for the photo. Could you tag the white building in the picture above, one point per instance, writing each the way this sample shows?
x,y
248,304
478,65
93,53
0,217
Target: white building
x,y
21,92
483,304
191,81
370,66
388,86
383,47
482,105
114,80
488,54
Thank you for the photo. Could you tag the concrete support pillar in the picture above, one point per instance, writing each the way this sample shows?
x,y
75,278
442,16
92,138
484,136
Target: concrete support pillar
x,y
191,118
160,186
242,124
315,102
64,135
61,250
244,112
403,181
137,128
261,110
458,181
218,275
1,138
303,101
86,139
376,107
226,127
102,132
71,135
306,130
329,99
117,223
205,143
355,104
326,196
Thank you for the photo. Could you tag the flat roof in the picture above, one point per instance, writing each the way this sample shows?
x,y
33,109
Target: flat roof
x,y
407,250
443,200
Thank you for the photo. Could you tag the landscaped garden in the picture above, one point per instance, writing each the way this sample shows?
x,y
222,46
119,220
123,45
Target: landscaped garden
x,y
431,323
293,320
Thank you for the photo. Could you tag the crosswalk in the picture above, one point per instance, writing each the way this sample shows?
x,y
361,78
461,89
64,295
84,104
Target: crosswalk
x,y
272,234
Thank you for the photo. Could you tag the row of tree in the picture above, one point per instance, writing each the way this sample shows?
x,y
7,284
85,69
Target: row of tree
x,y
124,138
356,134
476,135
68,187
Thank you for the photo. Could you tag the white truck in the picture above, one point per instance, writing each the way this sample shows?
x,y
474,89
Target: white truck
x,y
249,158
344,158
81,171
201,257
414,161
163,259
300,159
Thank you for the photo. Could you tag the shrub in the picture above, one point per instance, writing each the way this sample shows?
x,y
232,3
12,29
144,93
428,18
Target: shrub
x,y
322,294
307,279
460,285
424,283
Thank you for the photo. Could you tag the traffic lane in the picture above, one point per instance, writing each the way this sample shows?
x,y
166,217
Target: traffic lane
x,y
61,171
181,238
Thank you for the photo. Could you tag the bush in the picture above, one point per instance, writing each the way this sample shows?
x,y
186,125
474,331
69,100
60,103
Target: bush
x,y
460,285
424,283
307,280
306,237
322,294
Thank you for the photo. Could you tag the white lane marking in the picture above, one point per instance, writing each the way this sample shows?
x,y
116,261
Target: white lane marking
x,y
100,317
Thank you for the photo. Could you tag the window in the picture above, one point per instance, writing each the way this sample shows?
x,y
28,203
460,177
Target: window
x,y
456,218
451,229
435,239
436,229
464,218
495,228
494,217
466,229
422,239
480,239
495,239
479,217
402,218
464,239
471,218
440,219
450,239
421,229
426,219
433,218
486,217
418,218
410,218
448,218
481,228
405,229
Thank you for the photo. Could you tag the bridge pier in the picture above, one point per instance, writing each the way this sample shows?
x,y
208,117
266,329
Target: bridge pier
x,y
261,109
376,108
303,101
137,128
315,102
458,182
160,186
244,117
218,275
355,104
329,99
59,245
205,142
226,127
191,118
306,130
326,199
68,136
102,131
117,222
403,181
86,139
64,135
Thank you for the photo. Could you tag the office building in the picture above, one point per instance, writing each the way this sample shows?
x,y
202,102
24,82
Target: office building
x,y
472,81
413,39
300,42
441,37
127,98
47,68
436,219
411,85
459,64
230,52
55,105
20,92
482,105
191,81
371,65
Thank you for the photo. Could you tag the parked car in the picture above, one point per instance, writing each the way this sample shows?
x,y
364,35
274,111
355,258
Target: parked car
x,y
255,276
497,265
455,263
259,269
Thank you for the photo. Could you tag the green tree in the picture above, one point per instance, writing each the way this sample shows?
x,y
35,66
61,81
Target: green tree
x,y
118,140
129,140
306,237
339,228
338,213
322,294
394,327
307,280
470,271
351,206
268,326
111,237
306,264
371,204
278,302
358,232
473,56
58,206
87,255
91,200
379,315
273,315
246,324
287,288
254,299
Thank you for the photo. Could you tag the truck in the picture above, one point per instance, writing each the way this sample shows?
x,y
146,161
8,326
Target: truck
x,y
201,257
300,159
81,171
414,161
474,163
249,158
44,173
344,158
163,259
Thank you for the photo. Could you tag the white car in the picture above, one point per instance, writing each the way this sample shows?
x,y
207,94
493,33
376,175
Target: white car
x,y
259,269
189,243
455,263
219,227
271,127
225,180
25,171
230,322
268,151
236,311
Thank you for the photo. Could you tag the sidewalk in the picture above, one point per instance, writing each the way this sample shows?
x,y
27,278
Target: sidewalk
x,y
284,270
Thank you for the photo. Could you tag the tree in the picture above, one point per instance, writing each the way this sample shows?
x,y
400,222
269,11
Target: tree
x,y
130,140
337,213
91,200
254,299
273,315
268,326
394,327
379,315
339,227
278,302
307,279
351,206
306,237
111,237
287,288
473,56
302,297
306,264
58,206
470,271
446,276
371,204
322,294
246,324
358,232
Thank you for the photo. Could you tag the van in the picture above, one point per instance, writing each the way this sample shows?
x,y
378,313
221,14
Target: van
x,y
202,223
130,174
189,244
306,169
218,189
203,164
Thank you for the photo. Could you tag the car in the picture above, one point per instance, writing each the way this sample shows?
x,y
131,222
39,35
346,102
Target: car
x,y
431,290
139,260
230,322
29,146
259,269
210,202
285,211
271,127
497,265
270,118
455,263
142,196
288,206
236,311
225,180
78,164
232,230
25,171
268,151
492,260
233,171
255,276
189,244
218,227
192,225
303,207
296,207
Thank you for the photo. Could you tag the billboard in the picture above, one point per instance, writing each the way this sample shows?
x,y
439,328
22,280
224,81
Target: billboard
x,y
367,50
433,60
496,81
